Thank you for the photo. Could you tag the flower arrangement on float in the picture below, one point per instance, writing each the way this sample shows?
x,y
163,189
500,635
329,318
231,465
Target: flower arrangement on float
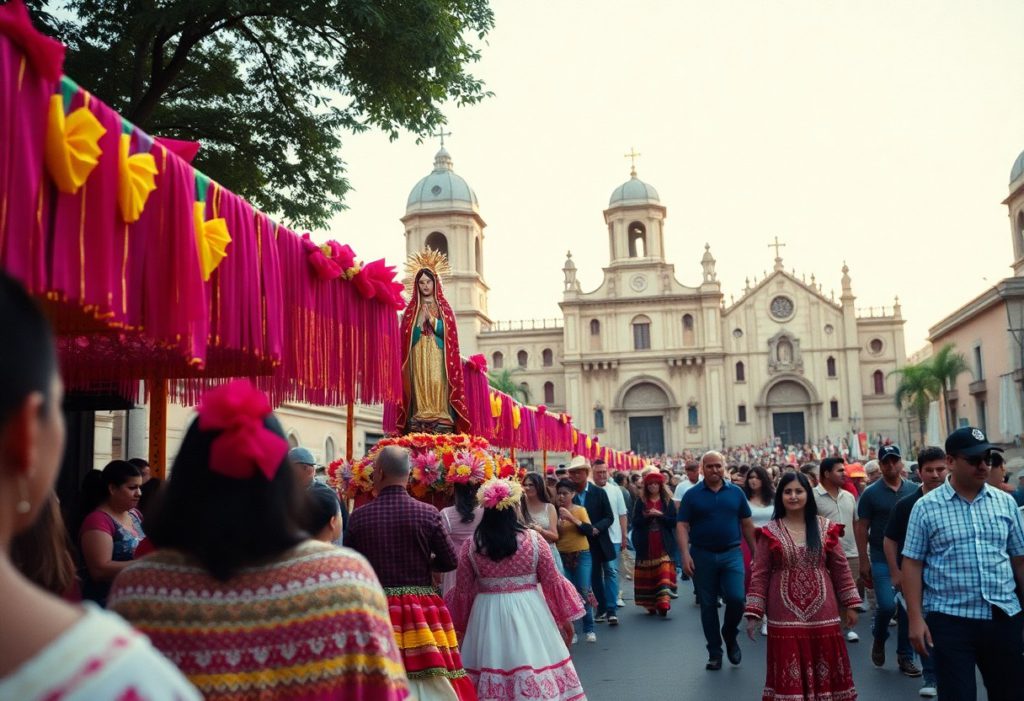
x,y
438,462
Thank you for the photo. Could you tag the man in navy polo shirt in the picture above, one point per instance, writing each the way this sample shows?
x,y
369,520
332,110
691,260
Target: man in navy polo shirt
x,y
713,516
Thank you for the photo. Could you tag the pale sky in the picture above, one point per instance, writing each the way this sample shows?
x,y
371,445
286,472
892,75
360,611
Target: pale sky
x,y
880,133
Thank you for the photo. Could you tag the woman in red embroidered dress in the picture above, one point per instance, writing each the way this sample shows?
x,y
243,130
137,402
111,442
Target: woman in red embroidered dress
x,y
654,518
799,568
513,634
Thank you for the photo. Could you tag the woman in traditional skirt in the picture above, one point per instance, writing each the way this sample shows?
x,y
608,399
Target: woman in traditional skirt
x,y
513,632
654,520
799,568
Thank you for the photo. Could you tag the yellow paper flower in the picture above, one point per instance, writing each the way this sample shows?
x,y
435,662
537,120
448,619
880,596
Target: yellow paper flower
x,y
136,179
72,145
495,406
212,239
517,416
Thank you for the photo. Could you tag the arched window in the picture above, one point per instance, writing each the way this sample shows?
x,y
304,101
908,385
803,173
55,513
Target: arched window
x,y
329,450
437,241
688,333
1020,224
637,240
293,440
497,360
641,333
595,334
691,416
522,357
879,381
741,414
549,392
741,372
524,392
833,409
547,358
830,366
478,257
598,419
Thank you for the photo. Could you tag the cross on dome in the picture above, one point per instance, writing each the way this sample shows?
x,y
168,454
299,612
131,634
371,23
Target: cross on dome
x,y
632,156
442,133
778,256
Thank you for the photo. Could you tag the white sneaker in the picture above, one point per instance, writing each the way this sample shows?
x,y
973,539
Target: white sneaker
x,y
928,690
620,603
860,608
575,639
591,637
764,628
851,636
892,621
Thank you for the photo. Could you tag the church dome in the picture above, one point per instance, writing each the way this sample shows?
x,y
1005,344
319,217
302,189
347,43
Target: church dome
x,y
633,191
442,190
1018,167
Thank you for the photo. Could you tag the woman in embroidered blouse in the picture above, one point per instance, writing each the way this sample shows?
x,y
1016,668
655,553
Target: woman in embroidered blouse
x,y
236,594
50,649
112,529
513,633
799,568
654,522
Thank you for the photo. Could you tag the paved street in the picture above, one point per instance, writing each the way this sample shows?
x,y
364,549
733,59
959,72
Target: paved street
x,y
664,658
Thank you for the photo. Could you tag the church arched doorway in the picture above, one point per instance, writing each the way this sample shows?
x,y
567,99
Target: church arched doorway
x,y
646,405
789,408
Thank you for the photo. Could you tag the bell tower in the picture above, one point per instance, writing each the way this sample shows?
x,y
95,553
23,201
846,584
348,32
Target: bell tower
x,y
635,219
442,213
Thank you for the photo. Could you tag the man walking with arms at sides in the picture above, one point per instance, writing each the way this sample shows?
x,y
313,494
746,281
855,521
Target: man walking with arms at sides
x,y
691,478
713,517
605,578
873,512
965,550
405,543
838,506
599,509
932,470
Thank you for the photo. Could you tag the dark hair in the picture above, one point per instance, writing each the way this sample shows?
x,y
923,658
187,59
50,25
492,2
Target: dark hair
x,y
995,457
565,484
225,523
139,462
619,478
96,484
28,358
465,501
928,454
43,552
813,535
539,485
767,493
827,465
321,506
495,537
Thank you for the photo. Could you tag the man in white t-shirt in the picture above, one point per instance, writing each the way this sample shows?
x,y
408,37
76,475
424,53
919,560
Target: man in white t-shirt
x,y
838,506
605,578
692,478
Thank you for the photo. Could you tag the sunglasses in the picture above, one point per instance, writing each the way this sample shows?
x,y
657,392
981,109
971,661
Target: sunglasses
x,y
976,460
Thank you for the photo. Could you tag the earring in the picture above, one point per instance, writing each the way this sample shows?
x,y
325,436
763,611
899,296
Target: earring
x,y
24,505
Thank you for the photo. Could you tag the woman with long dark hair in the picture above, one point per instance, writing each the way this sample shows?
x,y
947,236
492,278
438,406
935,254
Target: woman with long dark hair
x,y
112,530
799,568
760,492
509,628
541,513
461,518
654,524
231,555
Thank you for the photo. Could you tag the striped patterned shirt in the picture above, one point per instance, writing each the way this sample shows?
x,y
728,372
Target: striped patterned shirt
x,y
966,549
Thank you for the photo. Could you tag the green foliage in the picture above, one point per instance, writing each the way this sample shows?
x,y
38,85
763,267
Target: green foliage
x,y
917,388
269,87
505,381
947,365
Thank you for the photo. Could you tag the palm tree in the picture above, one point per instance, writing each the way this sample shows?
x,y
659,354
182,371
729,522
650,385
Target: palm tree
x,y
947,365
504,381
917,389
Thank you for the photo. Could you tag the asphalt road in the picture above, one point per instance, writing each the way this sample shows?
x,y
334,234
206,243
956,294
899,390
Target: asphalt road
x,y
657,658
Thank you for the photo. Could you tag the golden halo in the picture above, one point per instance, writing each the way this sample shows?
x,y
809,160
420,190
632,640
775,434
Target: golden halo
x,y
428,259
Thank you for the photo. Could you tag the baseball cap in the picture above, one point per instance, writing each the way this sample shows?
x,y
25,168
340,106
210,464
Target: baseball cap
x,y
969,441
301,456
888,451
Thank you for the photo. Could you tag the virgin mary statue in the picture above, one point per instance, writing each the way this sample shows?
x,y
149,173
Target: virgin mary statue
x,y
433,398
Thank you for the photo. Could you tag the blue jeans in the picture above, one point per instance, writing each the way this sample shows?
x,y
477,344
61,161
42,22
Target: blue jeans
x,y
606,584
719,574
885,597
994,646
580,576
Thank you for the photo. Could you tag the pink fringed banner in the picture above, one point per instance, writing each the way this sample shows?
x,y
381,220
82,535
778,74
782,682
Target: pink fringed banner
x,y
478,396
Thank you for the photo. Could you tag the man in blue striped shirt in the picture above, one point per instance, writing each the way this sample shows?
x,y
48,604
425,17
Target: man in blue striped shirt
x,y
967,540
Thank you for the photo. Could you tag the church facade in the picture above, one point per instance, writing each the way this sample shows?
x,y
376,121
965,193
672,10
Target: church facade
x,y
658,365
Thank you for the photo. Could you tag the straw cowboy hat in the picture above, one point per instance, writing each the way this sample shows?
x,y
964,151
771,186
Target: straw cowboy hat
x,y
579,463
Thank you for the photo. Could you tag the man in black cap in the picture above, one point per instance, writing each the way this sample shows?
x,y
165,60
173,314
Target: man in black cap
x,y
963,574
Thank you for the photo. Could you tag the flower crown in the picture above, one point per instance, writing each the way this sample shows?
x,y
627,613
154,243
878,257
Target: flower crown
x,y
500,494
466,468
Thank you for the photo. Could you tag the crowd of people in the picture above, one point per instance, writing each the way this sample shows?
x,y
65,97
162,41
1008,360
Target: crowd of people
x,y
242,577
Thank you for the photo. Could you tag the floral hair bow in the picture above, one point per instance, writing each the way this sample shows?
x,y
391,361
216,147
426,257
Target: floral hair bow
x,y
245,445
499,494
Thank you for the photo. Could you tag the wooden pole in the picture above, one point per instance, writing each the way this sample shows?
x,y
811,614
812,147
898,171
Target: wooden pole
x,y
158,428
350,423
544,461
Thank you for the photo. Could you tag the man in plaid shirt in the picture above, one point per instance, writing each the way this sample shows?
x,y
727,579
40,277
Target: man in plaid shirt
x,y
967,540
